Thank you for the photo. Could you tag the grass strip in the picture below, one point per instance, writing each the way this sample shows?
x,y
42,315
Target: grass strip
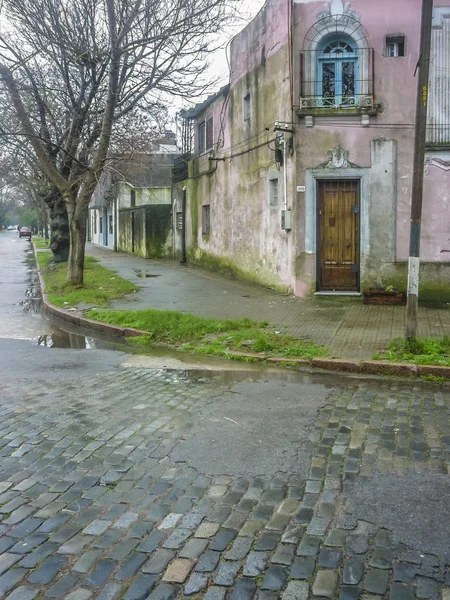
x,y
41,243
209,336
421,351
100,284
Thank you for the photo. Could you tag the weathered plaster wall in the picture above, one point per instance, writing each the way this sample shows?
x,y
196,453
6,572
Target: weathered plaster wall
x,y
436,211
385,148
246,238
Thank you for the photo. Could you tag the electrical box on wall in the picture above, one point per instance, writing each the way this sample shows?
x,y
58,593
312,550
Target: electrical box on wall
x,y
286,220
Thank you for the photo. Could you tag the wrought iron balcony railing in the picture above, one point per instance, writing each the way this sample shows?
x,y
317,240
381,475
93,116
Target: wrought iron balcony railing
x,y
337,82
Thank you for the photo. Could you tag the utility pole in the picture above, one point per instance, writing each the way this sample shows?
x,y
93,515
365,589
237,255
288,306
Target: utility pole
x,y
419,170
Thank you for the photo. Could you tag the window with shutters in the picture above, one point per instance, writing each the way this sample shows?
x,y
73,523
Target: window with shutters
x,y
206,219
206,135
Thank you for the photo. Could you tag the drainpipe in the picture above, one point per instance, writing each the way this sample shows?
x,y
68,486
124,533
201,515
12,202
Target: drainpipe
x,y
116,224
183,260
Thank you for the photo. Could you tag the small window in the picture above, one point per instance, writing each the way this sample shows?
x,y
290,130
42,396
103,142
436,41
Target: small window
x,y
206,135
274,192
179,220
206,219
209,134
201,138
133,198
101,225
395,46
111,224
247,108
94,222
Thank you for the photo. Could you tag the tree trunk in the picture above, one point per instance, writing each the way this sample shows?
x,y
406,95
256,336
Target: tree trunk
x,y
59,227
78,226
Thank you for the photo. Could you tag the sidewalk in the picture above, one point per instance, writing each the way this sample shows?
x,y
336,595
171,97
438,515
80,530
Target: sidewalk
x,y
349,329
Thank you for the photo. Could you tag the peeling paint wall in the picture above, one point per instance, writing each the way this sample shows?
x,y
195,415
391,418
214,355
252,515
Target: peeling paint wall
x,y
246,238
385,147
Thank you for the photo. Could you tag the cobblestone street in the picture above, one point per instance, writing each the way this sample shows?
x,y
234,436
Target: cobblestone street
x,y
145,483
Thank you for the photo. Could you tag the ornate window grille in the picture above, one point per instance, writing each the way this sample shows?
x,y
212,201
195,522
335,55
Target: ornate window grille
x,y
337,64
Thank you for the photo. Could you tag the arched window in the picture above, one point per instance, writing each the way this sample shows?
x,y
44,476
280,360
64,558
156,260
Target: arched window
x,y
337,71
336,64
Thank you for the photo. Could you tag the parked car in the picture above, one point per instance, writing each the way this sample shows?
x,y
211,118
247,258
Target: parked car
x,y
10,227
25,232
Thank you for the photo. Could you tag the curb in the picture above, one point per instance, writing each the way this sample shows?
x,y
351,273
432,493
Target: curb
x,y
362,367
79,320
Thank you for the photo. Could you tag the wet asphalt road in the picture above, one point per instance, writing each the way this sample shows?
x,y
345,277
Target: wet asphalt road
x,y
18,290
119,479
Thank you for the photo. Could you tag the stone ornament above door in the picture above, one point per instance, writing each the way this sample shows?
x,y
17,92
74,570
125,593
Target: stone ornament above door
x,y
338,159
337,9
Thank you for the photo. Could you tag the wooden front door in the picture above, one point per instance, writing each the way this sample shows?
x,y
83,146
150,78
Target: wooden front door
x,y
338,235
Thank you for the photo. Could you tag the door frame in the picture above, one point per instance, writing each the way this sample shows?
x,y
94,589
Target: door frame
x,y
312,178
318,232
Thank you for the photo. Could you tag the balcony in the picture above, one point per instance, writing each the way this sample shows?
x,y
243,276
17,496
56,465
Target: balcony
x,y
180,167
337,84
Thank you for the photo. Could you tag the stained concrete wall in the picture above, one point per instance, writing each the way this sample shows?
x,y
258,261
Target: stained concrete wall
x,y
146,231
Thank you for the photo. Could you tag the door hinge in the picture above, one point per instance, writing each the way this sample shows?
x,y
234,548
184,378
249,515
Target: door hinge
x,y
355,208
355,268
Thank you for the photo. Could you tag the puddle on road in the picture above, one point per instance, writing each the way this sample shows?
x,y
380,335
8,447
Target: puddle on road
x,y
32,303
143,275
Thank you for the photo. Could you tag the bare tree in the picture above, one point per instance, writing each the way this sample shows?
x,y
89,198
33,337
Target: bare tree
x,y
73,69
24,165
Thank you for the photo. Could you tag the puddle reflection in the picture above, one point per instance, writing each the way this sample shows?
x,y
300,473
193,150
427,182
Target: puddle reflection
x,y
65,339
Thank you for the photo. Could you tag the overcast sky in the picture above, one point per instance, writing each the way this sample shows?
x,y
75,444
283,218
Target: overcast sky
x,y
249,8
219,64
